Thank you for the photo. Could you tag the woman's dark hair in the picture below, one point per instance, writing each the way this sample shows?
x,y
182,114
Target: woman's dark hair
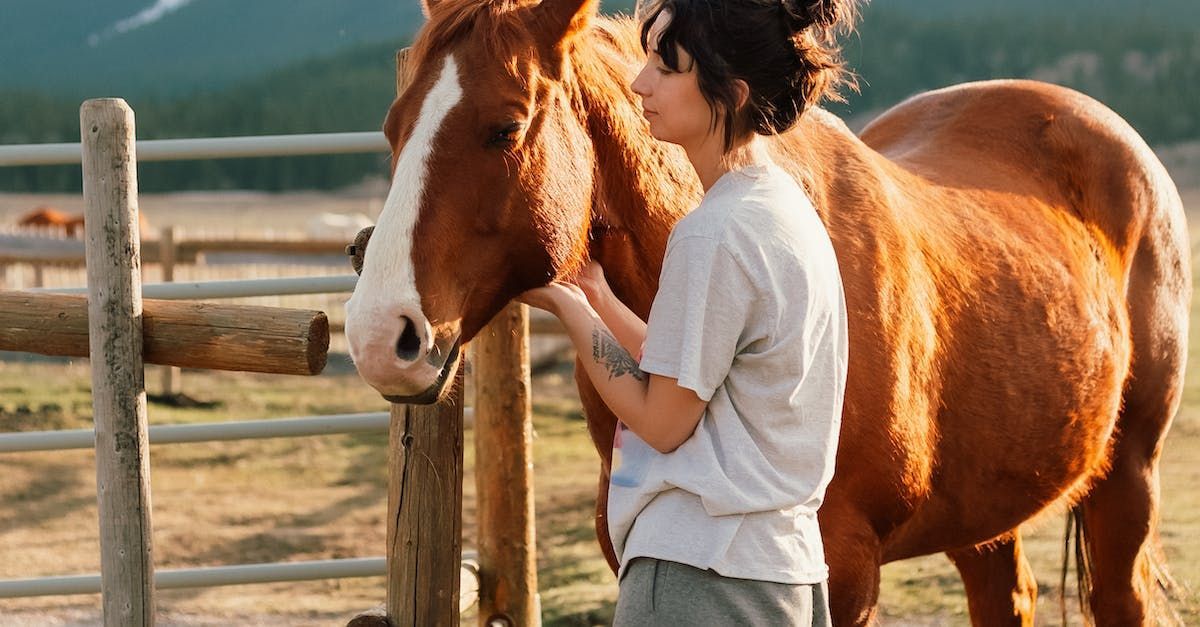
x,y
784,50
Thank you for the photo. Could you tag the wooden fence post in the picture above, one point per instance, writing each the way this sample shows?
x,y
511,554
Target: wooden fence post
x,y
425,471
508,589
118,378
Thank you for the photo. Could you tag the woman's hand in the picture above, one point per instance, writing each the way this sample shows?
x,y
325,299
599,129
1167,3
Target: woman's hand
x,y
592,281
553,297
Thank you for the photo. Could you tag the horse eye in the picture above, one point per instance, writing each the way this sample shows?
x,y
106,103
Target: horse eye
x,y
505,136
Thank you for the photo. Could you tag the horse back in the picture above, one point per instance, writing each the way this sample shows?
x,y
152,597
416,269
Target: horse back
x,y
1036,140
989,236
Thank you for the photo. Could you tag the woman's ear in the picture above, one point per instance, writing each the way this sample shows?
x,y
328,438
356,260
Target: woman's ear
x,y
743,93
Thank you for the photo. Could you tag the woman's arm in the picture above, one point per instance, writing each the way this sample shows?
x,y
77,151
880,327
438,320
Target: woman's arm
x,y
626,326
656,408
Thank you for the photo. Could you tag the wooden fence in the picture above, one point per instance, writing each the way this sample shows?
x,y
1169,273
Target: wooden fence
x,y
425,494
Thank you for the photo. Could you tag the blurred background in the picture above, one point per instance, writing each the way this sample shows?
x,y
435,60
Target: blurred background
x,y
199,68
195,68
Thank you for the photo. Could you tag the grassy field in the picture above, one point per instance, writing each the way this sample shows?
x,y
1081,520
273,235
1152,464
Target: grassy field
x,y
324,497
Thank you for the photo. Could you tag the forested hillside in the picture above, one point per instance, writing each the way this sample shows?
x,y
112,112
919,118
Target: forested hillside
x,y
1146,69
1143,59
82,48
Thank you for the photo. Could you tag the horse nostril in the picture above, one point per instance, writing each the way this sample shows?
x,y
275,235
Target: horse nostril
x,y
408,347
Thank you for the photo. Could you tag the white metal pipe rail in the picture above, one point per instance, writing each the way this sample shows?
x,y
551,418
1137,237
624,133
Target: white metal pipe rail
x,y
237,575
241,288
207,148
207,432
204,577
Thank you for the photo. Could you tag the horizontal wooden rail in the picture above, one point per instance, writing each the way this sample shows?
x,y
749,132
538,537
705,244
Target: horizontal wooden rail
x,y
189,249
241,338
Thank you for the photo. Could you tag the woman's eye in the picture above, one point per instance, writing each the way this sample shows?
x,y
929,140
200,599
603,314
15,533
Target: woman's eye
x,y
505,136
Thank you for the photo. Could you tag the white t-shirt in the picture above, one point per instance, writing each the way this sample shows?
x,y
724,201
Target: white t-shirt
x,y
750,315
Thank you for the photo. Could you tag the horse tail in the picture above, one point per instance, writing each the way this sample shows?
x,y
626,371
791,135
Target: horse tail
x,y
1164,592
1083,567
1161,588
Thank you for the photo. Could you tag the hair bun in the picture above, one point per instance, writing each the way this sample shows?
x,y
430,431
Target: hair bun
x,y
802,14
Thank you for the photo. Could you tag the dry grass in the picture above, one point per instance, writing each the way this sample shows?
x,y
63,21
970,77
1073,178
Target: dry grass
x,y
267,500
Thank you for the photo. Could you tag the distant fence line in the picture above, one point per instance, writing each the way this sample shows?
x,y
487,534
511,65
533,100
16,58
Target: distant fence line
x,y
15,249
37,248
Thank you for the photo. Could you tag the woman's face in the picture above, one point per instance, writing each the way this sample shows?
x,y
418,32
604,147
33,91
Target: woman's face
x,y
671,100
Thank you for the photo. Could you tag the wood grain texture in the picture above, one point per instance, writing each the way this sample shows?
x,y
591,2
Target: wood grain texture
x,y
114,307
243,338
504,470
425,470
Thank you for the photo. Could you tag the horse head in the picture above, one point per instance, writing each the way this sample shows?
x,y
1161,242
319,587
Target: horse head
x,y
491,193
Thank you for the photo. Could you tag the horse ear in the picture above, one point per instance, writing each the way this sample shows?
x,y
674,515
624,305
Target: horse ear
x,y
402,76
562,19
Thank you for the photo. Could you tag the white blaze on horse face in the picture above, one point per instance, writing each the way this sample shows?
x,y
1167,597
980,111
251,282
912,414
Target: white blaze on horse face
x,y
386,293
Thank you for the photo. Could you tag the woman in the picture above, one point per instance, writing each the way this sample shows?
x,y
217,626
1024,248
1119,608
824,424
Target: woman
x,y
729,418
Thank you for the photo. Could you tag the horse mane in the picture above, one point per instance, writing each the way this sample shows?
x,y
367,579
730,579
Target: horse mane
x,y
608,53
604,60
499,25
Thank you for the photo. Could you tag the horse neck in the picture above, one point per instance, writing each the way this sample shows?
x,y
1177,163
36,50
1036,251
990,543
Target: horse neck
x,y
642,186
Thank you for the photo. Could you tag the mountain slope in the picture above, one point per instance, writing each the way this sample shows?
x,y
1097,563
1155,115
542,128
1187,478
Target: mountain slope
x,y
44,44
69,48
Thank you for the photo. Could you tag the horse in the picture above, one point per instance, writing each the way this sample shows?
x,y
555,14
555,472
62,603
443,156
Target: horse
x,y
71,224
1015,262
47,216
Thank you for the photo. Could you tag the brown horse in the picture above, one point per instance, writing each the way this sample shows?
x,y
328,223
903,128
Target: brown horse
x,y
71,224
47,216
1015,261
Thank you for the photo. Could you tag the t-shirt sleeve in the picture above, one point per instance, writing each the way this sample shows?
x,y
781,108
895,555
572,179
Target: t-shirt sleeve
x,y
699,315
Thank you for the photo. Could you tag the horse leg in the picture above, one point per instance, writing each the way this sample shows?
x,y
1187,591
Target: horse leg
x,y
854,555
1000,586
1119,519
1120,512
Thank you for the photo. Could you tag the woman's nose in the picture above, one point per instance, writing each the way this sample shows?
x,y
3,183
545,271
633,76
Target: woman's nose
x,y
639,84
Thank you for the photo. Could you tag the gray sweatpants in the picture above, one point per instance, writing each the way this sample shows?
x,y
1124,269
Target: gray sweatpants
x,y
658,592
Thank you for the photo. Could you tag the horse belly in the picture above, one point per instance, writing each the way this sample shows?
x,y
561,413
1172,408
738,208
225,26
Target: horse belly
x,y
1026,414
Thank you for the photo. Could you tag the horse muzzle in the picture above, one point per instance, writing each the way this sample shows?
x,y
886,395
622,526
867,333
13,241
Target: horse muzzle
x,y
434,392
402,370
393,345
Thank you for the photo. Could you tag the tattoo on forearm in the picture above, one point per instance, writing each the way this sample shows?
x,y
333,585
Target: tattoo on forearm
x,y
606,350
